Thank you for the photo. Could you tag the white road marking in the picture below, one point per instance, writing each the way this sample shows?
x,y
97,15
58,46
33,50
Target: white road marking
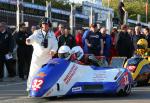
x,y
12,84
12,95
16,90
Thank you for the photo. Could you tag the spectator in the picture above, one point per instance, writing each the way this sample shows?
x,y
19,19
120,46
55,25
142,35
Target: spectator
x,y
78,38
99,27
33,28
6,49
60,30
137,36
45,46
130,31
107,43
66,39
114,37
124,44
24,52
147,35
85,47
121,11
94,41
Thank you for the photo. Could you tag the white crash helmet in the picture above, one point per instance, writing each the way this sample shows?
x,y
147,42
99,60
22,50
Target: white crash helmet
x,y
78,51
64,52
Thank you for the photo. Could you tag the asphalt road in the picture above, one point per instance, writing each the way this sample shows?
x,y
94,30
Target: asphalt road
x,y
14,92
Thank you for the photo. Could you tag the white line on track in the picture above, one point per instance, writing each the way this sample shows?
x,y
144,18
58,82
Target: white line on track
x,y
12,84
12,95
16,90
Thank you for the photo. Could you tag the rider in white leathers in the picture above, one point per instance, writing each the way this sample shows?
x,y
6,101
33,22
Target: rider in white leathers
x,y
45,46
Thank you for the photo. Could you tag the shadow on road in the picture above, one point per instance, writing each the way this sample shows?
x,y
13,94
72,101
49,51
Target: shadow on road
x,y
17,94
139,93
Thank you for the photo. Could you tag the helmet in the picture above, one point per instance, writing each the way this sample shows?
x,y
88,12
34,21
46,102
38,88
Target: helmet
x,y
78,51
142,44
64,52
45,20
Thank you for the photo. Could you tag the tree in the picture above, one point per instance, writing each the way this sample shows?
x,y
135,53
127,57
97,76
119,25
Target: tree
x,y
133,7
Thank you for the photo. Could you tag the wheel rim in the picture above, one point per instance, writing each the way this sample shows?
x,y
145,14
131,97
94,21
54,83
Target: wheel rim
x,y
127,89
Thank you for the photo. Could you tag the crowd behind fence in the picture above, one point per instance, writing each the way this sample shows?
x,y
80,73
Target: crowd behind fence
x,y
120,42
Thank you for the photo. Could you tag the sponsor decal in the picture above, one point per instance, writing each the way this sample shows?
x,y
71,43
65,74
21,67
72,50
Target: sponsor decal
x,y
41,74
131,68
49,93
125,79
99,76
76,89
37,84
70,74
106,75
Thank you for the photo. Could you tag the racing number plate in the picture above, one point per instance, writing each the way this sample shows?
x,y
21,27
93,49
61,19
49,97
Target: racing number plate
x,y
37,84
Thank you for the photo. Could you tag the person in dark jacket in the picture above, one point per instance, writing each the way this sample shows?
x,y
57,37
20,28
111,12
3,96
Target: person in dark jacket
x,y
124,44
121,11
94,41
147,35
114,37
137,36
66,39
24,52
6,49
107,43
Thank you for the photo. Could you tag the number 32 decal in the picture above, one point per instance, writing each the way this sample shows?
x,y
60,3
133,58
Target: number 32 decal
x,y
37,84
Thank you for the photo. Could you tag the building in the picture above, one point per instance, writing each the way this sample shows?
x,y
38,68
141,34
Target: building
x,y
100,12
33,12
97,2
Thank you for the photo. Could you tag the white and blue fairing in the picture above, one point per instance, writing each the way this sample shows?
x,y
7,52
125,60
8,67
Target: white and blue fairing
x,y
62,77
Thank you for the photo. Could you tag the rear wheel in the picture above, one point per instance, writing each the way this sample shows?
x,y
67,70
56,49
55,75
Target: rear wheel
x,y
126,91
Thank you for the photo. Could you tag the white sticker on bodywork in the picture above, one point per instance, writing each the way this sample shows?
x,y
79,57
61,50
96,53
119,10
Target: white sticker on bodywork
x,y
76,89
105,75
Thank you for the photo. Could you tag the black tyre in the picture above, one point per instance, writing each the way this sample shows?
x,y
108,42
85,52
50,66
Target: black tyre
x,y
126,91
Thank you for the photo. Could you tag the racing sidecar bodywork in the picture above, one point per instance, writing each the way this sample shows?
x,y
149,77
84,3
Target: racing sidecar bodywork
x,y
139,68
61,77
